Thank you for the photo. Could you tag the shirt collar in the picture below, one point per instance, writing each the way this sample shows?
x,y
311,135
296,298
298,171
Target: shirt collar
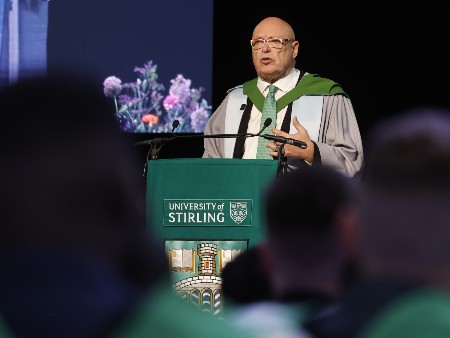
x,y
284,84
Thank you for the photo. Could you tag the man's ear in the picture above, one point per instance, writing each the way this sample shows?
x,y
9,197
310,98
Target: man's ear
x,y
295,47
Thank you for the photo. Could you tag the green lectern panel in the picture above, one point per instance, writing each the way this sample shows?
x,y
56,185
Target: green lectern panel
x,y
208,199
206,212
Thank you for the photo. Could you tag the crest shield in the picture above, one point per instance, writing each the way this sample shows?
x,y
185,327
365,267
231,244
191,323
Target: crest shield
x,y
238,211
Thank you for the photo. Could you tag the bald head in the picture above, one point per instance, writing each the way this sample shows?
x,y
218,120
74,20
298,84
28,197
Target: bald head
x,y
275,24
271,63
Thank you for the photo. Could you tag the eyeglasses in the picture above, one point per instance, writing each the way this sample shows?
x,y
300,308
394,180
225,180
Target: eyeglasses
x,y
273,43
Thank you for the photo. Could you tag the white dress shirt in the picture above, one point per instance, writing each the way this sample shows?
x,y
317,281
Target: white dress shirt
x,y
284,85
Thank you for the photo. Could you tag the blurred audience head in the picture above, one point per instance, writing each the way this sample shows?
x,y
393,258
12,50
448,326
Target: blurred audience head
x,y
245,279
308,211
70,178
406,196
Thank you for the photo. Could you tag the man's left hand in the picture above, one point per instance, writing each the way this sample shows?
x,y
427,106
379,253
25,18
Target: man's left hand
x,y
292,151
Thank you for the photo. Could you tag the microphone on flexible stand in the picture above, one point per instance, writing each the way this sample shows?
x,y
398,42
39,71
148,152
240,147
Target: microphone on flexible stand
x,y
157,143
154,142
286,140
175,125
282,160
280,139
267,123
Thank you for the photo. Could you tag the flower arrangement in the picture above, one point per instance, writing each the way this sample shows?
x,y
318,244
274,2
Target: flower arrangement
x,y
141,106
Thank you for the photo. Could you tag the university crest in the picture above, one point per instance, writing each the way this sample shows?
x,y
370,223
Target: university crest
x,y
238,211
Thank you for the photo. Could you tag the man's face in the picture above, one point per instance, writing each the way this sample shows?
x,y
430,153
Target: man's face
x,y
272,63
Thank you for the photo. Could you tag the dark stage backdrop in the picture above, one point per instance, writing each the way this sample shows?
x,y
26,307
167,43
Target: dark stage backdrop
x,y
388,55
111,37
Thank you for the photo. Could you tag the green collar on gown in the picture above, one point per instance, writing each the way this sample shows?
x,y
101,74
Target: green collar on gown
x,y
310,84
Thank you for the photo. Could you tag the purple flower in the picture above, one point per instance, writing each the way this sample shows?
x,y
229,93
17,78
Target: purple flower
x,y
148,68
124,100
170,101
112,86
136,101
130,85
199,117
180,87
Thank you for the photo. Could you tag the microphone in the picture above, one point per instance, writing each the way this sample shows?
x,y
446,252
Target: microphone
x,y
286,140
175,125
160,141
267,123
155,141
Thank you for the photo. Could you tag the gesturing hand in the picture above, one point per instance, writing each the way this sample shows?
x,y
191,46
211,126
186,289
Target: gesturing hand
x,y
291,150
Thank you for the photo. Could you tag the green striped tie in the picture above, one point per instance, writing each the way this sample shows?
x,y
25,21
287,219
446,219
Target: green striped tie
x,y
269,110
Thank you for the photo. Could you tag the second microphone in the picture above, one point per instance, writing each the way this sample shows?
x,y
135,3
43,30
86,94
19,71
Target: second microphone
x,y
285,140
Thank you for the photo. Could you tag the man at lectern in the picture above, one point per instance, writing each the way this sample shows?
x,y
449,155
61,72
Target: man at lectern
x,y
290,103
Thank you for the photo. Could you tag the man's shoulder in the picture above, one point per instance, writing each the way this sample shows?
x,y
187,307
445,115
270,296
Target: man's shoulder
x,y
236,93
236,88
317,80
316,84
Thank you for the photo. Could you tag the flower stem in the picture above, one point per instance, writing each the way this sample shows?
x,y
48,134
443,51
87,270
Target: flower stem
x,y
115,102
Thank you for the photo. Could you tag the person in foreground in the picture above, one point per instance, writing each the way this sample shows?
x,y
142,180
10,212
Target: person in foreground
x,y
309,108
245,280
76,257
404,256
306,266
